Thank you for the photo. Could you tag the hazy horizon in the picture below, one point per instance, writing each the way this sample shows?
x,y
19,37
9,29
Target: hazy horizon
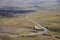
x,y
31,2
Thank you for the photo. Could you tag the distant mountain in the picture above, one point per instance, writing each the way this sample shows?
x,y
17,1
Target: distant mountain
x,y
10,11
32,4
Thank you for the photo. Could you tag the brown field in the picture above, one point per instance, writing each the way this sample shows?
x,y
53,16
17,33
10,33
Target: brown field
x,y
49,20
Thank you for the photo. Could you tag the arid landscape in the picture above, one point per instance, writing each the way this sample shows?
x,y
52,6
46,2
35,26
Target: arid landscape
x,y
30,20
19,25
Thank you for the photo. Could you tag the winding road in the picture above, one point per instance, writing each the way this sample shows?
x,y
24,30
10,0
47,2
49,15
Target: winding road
x,y
40,26
45,30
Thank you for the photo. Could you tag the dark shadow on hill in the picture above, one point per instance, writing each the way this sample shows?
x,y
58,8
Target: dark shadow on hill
x,y
54,29
9,13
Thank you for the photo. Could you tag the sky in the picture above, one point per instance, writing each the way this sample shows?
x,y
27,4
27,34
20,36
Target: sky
x,y
19,2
